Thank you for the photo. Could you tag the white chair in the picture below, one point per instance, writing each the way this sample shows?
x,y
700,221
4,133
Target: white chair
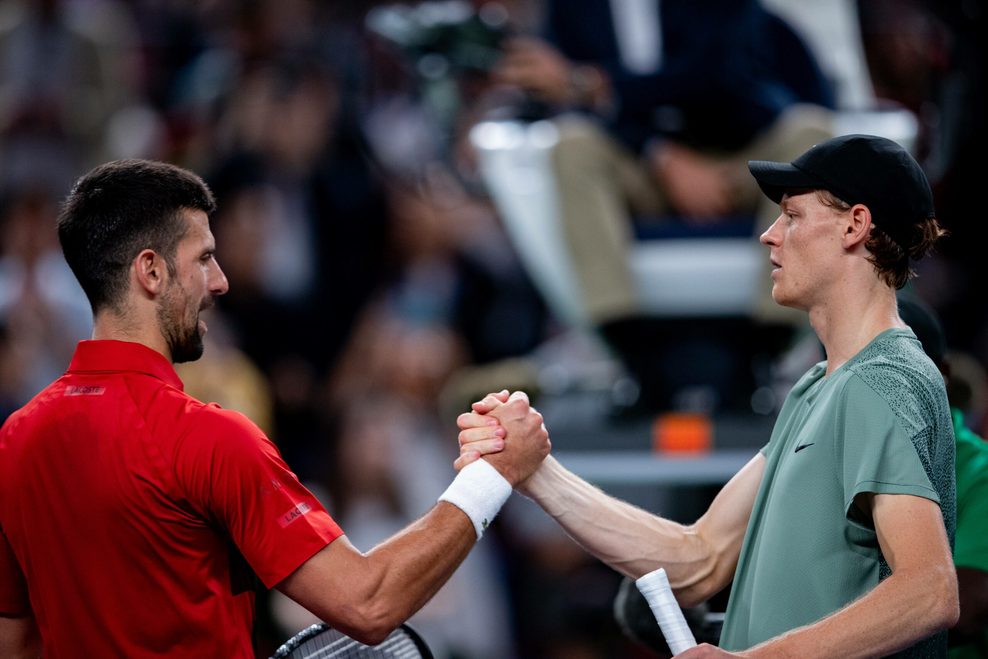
x,y
699,276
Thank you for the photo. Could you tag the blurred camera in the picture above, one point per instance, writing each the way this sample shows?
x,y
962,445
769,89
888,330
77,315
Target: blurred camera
x,y
443,38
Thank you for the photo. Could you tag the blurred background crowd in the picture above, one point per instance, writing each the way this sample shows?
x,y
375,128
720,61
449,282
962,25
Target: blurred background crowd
x,y
373,287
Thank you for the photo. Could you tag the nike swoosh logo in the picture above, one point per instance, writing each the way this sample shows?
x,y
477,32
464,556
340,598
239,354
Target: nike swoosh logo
x,y
802,446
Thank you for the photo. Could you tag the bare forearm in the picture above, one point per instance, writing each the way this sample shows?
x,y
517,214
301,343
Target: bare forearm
x,y
368,595
629,539
902,610
414,564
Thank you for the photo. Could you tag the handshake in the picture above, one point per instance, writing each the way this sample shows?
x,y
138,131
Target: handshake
x,y
508,433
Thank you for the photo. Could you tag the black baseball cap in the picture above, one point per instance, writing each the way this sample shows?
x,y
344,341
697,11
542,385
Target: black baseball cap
x,y
858,169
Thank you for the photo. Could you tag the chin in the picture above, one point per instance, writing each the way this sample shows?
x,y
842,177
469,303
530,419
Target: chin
x,y
189,350
783,301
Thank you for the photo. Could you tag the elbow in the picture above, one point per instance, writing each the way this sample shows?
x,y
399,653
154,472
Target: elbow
x,y
951,613
712,569
371,623
945,609
371,635
707,580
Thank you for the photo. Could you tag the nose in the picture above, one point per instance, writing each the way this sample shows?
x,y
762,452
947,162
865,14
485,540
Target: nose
x,y
770,237
218,284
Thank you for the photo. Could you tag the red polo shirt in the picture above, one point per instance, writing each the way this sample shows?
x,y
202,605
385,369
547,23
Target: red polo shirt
x,y
134,517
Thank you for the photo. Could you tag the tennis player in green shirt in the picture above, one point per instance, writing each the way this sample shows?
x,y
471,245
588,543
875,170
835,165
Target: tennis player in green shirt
x,y
838,533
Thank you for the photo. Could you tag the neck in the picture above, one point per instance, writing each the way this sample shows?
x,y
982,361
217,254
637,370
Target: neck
x,y
847,324
110,325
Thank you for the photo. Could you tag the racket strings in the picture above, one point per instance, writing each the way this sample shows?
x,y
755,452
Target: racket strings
x,y
332,644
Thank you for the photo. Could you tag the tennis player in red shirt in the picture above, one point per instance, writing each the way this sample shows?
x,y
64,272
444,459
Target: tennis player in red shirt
x,y
134,519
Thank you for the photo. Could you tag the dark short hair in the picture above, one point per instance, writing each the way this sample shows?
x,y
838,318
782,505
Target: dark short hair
x,y
119,209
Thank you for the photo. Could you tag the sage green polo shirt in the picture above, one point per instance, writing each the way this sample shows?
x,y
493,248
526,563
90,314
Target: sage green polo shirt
x,y
880,423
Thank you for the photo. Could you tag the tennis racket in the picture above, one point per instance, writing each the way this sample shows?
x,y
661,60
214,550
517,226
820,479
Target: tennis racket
x,y
655,587
320,641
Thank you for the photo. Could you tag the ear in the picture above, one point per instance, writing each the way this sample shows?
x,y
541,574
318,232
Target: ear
x,y
857,226
150,271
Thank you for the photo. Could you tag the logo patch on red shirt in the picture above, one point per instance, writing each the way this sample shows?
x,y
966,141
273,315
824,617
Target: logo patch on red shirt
x,y
294,514
76,390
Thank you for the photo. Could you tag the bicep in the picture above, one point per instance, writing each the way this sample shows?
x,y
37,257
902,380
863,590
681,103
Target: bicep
x,y
724,524
720,532
914,542
334,570
910,531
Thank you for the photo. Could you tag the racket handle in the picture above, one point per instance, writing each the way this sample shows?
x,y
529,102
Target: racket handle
x,y
655,587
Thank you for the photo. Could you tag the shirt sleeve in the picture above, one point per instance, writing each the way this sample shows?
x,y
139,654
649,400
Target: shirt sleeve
x,y
878,456
13,588
236,475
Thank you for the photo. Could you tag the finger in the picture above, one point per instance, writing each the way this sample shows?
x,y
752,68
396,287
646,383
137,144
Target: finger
x,y
475,420
465,459
471,435
483,447
516,406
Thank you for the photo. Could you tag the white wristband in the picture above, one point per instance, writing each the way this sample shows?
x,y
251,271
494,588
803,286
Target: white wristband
x,y
479,490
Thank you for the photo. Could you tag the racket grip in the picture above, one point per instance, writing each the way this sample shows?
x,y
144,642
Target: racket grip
x,y
655,587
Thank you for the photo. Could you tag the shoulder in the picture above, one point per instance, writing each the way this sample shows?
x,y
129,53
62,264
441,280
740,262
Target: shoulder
x,y
897,359
35,413
212,427
899,372
193,432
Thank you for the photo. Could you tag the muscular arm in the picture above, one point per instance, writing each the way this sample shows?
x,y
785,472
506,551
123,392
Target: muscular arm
x,y
917,600
368,595
699,559
19,638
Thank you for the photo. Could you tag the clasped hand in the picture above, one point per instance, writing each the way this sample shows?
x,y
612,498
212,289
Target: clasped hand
x,y
507,432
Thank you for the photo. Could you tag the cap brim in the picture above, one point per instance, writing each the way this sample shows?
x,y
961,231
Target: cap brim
x,y
777,178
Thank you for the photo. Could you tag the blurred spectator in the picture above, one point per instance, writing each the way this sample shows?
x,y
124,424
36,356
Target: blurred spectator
x,y
302,228
65,69
931,56
42,306
671,100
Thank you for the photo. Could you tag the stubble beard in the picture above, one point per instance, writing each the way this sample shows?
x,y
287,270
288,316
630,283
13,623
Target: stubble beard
x,y
181,334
